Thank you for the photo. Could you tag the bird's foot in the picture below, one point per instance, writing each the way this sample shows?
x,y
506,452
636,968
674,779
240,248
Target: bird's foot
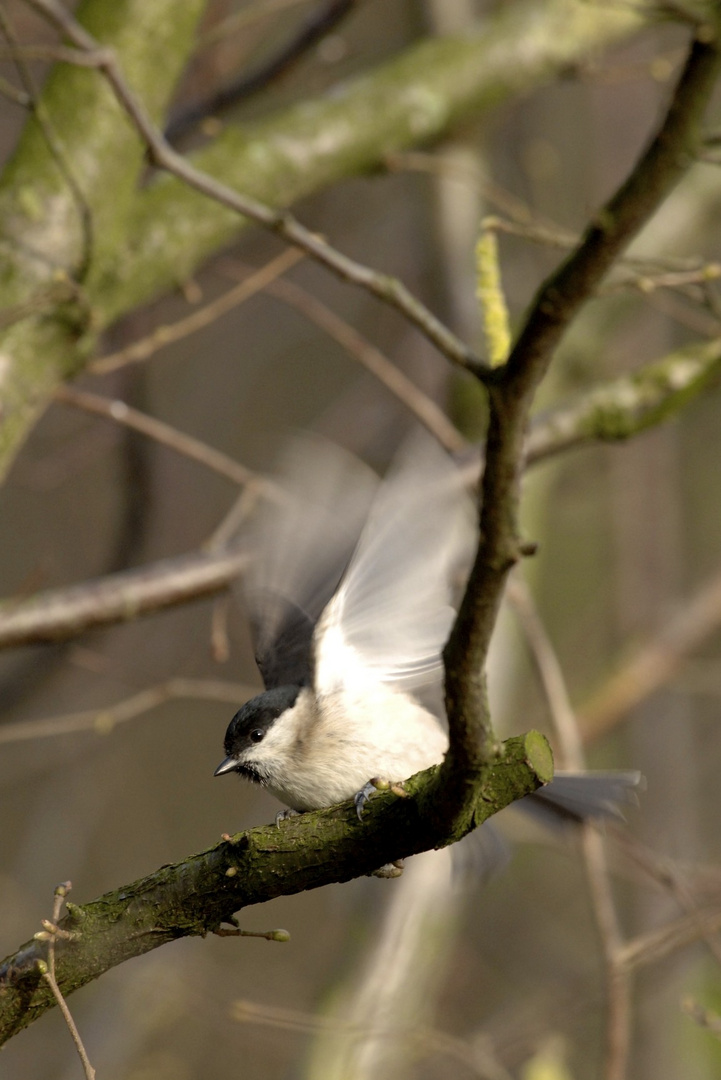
x,y
284,815
376,784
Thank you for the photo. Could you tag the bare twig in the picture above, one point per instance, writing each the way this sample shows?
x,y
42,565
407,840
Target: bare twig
x,y
680,881
267,935
51,933
705,1018
388,289
475,1058
254,283
423,408
618,985
163,433
103,721
654,663
657,944
14,94
552,679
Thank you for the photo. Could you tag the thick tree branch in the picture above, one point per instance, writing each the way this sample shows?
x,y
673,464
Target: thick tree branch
x,y
195,896
159,235
44,238
413,99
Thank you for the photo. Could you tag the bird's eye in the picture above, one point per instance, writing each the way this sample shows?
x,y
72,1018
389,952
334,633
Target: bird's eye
x,y
256,735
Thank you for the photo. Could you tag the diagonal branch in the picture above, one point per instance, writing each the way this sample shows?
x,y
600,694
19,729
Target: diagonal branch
x,y
511,392
195,896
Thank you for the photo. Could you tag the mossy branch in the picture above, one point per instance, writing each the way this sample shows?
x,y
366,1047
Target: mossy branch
x,y
152,238
626,406
44,236
195,896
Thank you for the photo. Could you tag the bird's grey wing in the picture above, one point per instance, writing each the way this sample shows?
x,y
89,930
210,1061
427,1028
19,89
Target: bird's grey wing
x,y
393,610
285,659
299,543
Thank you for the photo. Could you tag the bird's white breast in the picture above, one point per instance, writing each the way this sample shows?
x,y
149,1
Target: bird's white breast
x,y
325,749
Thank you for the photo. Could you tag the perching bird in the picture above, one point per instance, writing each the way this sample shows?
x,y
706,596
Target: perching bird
x,y
350,594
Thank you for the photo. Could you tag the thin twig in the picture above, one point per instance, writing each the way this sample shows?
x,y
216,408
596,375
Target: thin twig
x,y
121,413
678,880
705,1018
570,754
104,720
267,935
430,1039
657,944
12,93
618,984
67,1016
655,662
161,336
388,289
52,932
419,404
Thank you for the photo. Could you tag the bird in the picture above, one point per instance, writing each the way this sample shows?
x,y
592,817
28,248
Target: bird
x,y
350,591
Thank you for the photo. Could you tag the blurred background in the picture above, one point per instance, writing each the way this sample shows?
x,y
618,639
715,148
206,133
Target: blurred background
x,y
496,979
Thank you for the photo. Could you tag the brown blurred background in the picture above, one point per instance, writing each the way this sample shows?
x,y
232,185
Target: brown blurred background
x,y
627,535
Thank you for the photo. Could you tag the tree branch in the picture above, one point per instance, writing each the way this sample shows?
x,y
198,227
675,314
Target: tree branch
x,y
63,613
668,156
624,407
618,409
151,238
43,231
195,896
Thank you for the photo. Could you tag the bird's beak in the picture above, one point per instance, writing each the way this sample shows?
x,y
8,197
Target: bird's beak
x,y
226,766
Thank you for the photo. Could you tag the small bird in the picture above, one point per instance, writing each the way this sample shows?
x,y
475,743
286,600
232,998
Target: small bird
x,y
350,593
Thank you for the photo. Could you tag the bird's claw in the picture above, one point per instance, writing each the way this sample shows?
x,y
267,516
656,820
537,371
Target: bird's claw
x,y
376,784
284,815
361,797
